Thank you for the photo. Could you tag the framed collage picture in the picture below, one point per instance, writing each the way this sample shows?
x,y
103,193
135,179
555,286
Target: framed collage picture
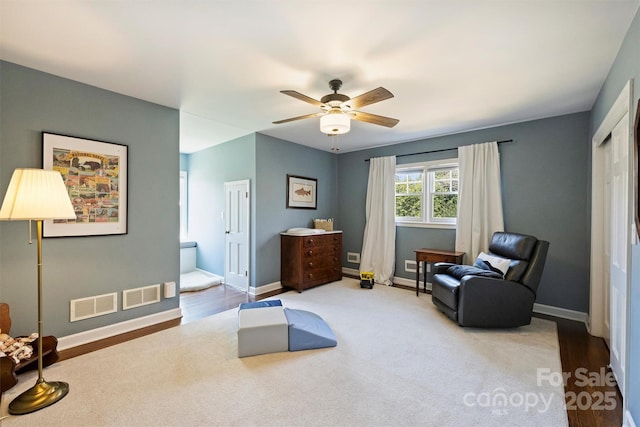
x,y
95,174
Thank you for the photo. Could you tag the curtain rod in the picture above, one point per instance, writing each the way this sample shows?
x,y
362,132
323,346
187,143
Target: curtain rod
x,y
438,151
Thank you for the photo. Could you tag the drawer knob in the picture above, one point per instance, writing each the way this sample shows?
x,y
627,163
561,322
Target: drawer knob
x,y
311,241
310,264
310,252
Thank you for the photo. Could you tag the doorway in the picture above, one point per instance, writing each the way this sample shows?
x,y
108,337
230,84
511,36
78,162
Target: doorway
x,y
611,231
237,221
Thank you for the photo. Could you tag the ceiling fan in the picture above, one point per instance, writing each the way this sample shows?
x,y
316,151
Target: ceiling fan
x,y
338,109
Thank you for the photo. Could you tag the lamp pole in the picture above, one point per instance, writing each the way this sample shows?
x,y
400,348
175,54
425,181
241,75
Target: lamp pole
x,y
43,393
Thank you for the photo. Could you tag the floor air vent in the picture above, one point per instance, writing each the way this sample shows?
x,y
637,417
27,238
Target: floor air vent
x,y
132,298
85,308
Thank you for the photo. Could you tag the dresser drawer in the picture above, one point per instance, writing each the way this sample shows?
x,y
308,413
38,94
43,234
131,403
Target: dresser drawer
x,y
321,240
310,263
322,251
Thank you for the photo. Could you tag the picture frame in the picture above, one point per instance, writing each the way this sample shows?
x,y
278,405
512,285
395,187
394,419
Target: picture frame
x,y
302,192
636,161
95,174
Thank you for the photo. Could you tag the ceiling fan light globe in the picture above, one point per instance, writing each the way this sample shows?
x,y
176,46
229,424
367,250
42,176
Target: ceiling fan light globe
x,y
335,124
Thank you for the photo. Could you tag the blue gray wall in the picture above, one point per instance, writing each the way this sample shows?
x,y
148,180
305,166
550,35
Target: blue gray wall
x,y
277,159
544,182
626,67
209,169
78,267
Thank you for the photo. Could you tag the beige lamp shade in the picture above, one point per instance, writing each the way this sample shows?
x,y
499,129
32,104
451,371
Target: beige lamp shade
x,y
36,194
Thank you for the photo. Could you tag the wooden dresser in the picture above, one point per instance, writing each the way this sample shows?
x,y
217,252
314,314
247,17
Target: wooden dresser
x,y
312,260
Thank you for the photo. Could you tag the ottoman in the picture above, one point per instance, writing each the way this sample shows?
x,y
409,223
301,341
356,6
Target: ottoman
x,y
261,330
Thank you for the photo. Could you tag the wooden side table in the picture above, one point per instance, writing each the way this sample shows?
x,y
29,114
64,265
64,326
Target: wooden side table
x,y
432,256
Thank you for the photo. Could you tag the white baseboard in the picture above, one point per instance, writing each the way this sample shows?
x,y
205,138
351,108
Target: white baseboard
x,y
628,420
562,313
397,280
270,287
109,331
410,283
350,271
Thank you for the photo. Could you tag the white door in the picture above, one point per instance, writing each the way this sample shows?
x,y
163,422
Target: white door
x,y
236,264
620,243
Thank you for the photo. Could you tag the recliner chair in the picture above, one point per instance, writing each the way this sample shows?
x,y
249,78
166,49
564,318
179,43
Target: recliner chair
x,y
491,302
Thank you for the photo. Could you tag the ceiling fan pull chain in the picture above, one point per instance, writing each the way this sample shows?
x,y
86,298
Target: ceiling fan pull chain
x,y
334,142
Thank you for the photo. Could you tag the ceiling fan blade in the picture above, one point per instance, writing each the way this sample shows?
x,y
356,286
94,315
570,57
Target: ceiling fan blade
x,y
368,98
306,116
302,97
374,118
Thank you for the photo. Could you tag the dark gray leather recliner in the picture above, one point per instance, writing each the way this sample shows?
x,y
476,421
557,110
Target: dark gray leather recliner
x,y
491,302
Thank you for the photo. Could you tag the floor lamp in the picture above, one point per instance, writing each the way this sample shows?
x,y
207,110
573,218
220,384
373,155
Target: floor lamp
x,y
37,194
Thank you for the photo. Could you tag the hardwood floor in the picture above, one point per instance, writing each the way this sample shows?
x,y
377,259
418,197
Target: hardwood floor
x,y
591,402
199,304
592,397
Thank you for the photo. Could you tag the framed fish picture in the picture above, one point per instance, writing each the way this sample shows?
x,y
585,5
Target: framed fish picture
x,y
302,193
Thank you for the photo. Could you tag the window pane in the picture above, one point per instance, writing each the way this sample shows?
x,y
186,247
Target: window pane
x,y
442,186
442,174
454,186
401,188
415,187
445,205
408,206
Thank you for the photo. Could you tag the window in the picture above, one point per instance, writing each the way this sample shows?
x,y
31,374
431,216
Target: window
x,y
183,206
427,194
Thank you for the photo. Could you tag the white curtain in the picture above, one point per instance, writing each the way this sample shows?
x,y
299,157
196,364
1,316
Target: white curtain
x,y
479,198
379,242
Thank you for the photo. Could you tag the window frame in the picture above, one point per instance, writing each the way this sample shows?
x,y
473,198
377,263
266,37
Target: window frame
x,y
427,168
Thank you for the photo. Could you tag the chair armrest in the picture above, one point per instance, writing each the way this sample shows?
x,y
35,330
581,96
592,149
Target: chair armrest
x,y
489,302
441,267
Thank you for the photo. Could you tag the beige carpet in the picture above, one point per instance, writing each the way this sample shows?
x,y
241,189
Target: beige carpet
x,y
399,362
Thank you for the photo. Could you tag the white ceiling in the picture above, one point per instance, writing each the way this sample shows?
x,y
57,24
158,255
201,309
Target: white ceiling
x,y
452,65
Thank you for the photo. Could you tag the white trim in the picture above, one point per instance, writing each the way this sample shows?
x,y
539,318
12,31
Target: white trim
x,y
621,106
270,287
563,313
109,331
410,282
350,271
425,225
628,420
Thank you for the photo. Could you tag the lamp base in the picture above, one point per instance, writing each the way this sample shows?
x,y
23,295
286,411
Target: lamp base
x,y
41,395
